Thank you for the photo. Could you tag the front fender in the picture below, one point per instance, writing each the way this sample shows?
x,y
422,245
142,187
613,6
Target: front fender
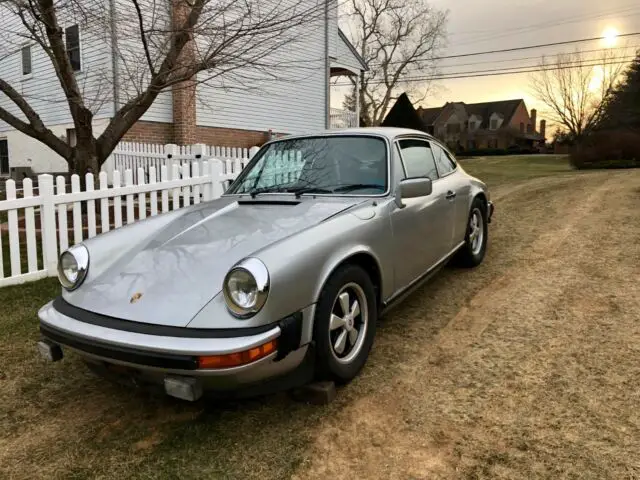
x,y
108,249
300,265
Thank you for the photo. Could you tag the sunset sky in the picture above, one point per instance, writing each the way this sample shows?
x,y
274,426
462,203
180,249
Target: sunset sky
x,y
476,26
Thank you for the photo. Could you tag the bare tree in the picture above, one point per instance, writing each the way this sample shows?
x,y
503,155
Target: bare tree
x,y
575,88
397,39
157,45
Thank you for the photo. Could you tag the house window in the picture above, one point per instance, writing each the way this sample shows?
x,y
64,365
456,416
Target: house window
x,y
26,60
494,124
4,157
529,129
72,44
521,127
473,125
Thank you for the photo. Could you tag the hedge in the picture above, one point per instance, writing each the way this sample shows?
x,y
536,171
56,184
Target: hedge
x,y
607,149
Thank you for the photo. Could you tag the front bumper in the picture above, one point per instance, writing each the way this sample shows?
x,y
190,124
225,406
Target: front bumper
x,y
172,361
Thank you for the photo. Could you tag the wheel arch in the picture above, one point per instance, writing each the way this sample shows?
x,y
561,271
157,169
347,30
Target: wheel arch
x,y
362,257
481,195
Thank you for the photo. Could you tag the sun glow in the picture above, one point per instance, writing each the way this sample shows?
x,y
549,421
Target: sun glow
x,y
610,37
596,79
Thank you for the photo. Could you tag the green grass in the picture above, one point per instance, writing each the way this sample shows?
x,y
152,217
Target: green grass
x,y
510,169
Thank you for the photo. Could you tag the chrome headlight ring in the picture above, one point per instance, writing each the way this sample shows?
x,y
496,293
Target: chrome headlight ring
x,y
246,287
73,265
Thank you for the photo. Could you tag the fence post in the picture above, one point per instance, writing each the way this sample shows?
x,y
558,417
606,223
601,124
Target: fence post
x,y
171,151
48,224
198,151
109,166
215,170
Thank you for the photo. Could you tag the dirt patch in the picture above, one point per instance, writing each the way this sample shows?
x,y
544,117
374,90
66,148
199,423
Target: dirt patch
x,y
518,381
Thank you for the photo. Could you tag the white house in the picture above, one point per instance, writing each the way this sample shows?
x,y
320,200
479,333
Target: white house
x,y
222,114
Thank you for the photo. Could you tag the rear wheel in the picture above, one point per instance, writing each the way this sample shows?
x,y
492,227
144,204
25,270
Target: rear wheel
x,y
475,241
345,324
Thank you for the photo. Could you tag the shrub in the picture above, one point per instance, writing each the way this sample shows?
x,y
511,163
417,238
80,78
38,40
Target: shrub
x,y
607,149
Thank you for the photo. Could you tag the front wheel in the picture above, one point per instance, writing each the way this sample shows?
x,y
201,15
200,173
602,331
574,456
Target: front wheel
x,y
473,251
345,324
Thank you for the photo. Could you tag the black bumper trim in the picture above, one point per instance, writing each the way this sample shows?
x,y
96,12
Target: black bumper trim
x,y
290,335
82,315
150,359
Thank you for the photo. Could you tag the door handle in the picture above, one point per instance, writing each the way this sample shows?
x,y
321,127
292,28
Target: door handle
x,y
450,195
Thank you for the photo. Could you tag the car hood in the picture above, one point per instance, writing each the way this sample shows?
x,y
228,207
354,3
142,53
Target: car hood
x,y
178,269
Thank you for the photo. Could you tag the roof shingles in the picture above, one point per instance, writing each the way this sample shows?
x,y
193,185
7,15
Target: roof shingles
x,y
505,108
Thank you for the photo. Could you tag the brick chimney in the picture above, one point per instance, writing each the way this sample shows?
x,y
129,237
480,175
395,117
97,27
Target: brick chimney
x,y
534,115
184,93
543,127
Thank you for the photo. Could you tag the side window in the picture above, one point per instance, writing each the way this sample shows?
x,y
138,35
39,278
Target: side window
x,y
418,159
398,168
444,163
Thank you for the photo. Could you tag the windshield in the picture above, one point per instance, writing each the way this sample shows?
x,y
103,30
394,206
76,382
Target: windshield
x,y
332,165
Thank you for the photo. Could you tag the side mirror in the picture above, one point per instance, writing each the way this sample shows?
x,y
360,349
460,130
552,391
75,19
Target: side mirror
x,y
412,188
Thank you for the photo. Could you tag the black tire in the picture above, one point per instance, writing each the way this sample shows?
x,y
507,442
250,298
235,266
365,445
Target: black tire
x,y
466,257
328,367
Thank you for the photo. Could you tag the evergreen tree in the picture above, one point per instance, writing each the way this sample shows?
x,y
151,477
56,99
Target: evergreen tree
x,y
623,107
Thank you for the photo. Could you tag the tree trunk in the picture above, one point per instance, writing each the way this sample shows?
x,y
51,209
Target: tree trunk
x,y
84,160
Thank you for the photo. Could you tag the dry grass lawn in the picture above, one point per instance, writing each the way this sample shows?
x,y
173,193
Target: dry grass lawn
x,y
526,367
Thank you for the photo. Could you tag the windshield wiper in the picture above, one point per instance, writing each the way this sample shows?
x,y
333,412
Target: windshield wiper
x,y
302,190
357,186
255,191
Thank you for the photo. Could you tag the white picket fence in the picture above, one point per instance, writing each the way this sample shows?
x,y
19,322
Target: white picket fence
x,y
132,156
167,189
342,118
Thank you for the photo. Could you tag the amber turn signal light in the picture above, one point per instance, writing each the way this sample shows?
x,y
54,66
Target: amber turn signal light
x,y
237,358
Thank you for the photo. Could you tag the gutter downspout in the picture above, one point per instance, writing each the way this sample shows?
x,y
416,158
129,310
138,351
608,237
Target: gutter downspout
x,y
115,66
327,75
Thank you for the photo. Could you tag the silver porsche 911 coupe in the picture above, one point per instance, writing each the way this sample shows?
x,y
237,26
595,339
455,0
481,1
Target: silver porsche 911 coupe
x,y
282,279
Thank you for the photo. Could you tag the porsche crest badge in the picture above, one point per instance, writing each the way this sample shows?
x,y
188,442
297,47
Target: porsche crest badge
x,y
136,296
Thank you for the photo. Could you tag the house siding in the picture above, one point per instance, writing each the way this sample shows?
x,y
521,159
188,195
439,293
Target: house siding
x,y
521,116
344,55
294,102
334,40
132,66
42,88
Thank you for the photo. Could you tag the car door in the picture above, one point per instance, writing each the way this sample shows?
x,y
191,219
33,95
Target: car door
x,y
422,229
457,190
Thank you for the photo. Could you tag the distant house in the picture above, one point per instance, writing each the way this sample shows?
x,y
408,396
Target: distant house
x,y
215,112
472,126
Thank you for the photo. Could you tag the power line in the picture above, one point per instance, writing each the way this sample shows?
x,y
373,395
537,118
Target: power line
x,y
457,75
529,47
573,62
534,57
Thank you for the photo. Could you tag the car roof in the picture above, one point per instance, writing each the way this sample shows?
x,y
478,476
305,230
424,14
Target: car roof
x,y
389,132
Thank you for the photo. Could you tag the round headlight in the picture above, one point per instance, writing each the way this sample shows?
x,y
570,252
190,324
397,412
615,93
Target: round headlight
x,y
73,266
246,288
